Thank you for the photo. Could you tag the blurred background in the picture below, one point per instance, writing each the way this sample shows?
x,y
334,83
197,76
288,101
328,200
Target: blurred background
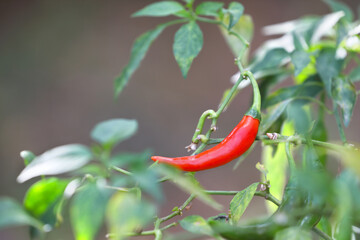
x,y
58,60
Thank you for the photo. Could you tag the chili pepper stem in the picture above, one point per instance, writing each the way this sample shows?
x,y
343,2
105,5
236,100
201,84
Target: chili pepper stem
x,y
255,110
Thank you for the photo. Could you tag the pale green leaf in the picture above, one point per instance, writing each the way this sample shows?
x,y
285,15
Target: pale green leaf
x,y
87,210
187,45
241,201
113,131
159,9
44,198
235,11
324,25
209,8
56,161
196,224
293,233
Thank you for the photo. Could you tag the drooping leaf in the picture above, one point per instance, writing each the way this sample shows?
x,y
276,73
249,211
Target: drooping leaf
x,y
196,224
300,59
126,214
56,161
12,214
159,9
328,67
187,45
138,52
235,11
241,201
44,199
245,28
113,131
344,94
188,183
273,114
339,6
294,233
87,210
209,8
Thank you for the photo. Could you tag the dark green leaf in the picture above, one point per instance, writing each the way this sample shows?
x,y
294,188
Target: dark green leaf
x,y
344,94
188,183
56,161
126,213
138,52
299,116
87,210
12,214
272,59
300,59
241,201
235,11
293,233
273,114
328,67
159,9
310,88
113,131
339,6
44,199
245,28
196,224
27,156
209,8
147,180
355,74
187,45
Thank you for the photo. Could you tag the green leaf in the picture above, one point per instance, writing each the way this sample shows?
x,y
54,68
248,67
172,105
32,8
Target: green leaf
x,y
87,210
113,131
196,224
276,164
272,59
328,67
159,9
44,199
56,161
138,52
300,117
147,180
344,94
188,183
245,28
273,114
188,43
293,233
241,201
136,160
209,8
355,74
339,6
300,59
235,11
12,214
126,213
325,226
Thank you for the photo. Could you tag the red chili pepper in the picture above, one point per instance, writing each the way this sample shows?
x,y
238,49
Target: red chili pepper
x,y
233,146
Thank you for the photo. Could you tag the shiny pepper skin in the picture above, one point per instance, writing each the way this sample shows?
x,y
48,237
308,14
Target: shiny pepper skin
x,y
233,146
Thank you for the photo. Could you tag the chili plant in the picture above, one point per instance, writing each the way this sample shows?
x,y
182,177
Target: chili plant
x,y
318,55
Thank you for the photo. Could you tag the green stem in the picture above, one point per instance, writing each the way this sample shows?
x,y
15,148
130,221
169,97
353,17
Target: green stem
x,y
289,156
321,233
121,170
179,211
255,110
265,195
207,114
339,125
